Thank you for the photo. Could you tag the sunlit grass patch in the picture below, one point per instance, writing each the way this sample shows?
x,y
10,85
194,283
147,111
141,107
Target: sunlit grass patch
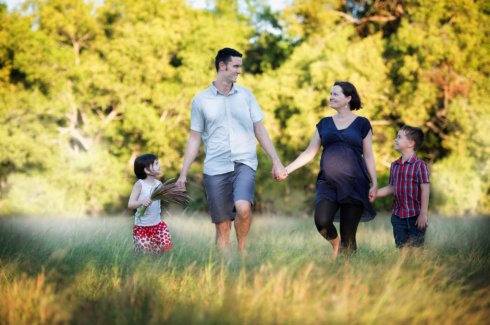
x,y
84,271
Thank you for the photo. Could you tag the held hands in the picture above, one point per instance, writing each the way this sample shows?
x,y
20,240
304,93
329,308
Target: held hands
x,y
180,183
146,203
279,172
282,175
373,192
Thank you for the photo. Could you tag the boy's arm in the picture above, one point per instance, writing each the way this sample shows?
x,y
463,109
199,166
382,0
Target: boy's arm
x,y
424,206
385,191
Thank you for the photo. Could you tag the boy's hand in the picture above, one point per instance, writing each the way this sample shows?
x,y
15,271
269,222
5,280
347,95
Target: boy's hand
x,y
421,222
146,203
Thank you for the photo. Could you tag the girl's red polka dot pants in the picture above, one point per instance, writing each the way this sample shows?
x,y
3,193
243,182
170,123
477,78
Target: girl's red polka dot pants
x,y
152,239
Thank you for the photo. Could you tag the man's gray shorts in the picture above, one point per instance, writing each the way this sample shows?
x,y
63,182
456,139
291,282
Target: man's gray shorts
x,y
222,191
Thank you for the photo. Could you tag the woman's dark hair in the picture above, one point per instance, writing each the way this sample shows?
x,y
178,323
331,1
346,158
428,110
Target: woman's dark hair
x,y
224,55
142,162
350,90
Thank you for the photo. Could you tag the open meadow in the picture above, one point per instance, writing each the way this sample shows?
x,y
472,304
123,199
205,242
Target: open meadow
x,y
83,271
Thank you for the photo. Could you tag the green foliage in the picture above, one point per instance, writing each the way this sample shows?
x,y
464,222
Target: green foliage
x,y
85,87
458,188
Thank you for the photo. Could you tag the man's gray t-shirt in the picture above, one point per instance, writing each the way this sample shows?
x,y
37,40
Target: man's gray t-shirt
x,y
226,126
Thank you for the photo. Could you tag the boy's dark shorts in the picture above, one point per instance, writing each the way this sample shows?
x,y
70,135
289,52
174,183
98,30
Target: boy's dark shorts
x,y
222,191
406,232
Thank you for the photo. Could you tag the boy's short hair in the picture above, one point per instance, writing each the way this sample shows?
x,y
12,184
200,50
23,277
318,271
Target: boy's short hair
x,y
142,162
350,90
224,55
414,134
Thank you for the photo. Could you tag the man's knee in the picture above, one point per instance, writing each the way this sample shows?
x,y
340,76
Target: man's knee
x,y
243,208
223,228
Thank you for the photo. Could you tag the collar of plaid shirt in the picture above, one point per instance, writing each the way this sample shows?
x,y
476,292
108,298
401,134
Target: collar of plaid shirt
x,y
410,160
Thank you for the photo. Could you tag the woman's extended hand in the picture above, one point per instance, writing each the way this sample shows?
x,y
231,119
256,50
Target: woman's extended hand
x,y
372,193
282,175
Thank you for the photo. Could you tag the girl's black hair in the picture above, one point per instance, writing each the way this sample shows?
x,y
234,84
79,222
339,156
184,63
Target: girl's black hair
x,y
350,90
142,162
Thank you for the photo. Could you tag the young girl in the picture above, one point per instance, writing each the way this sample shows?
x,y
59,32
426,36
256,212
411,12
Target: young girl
x,y
150,233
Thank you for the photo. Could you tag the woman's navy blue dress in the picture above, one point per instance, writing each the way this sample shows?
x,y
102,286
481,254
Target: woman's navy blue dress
x,y
343,175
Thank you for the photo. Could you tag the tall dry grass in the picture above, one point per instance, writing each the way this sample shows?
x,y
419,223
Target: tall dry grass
x,y
83,271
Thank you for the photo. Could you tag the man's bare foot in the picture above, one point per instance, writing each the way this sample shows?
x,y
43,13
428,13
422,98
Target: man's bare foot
x,y
335,247
243,253
224,252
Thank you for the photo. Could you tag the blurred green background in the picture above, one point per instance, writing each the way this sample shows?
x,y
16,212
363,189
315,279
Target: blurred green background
x,y
87,86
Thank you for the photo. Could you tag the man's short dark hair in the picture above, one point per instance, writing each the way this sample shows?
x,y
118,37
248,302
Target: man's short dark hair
x,y
224,55
142,162
350,90
414,134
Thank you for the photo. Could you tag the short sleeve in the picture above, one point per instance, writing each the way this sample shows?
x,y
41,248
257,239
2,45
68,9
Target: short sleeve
x,y
365,127
391,179
197,119
255,111
321,125
423,175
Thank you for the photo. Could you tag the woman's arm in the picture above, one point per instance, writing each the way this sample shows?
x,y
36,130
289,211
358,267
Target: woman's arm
x,y
307,155
367,151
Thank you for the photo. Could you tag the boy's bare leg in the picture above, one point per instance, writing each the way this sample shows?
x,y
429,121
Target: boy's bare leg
x,y
242,224
223,230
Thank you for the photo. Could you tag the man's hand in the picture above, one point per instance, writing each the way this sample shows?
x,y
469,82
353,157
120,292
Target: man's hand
x,y
421,222
283,176
278,171
181,182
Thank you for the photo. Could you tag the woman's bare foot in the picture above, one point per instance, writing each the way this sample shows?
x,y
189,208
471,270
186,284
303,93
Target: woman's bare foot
x,y
335,246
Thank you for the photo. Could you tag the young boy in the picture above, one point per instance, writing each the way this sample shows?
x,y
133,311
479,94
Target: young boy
x,y
409,182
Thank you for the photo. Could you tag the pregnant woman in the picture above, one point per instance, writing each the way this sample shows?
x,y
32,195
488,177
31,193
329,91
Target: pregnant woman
x,y
347,178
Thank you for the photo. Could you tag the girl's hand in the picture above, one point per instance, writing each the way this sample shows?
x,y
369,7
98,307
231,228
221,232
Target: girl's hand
x,y
373,191
146,203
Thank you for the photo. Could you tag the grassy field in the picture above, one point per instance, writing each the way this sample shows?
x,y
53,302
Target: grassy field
x,y
83,271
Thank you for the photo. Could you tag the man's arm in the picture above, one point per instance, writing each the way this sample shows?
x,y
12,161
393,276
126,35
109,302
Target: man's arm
x,y
191,151
262,136
424,205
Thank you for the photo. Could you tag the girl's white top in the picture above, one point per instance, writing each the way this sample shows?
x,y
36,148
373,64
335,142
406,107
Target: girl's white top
x,y
152,213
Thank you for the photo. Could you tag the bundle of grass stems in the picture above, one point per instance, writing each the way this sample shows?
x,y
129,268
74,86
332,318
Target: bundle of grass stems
x,y
168,193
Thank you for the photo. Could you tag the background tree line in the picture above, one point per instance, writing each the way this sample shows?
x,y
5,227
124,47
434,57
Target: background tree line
x,y
86,87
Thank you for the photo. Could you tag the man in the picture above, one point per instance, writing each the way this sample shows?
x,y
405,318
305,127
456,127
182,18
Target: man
x,y
228,119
